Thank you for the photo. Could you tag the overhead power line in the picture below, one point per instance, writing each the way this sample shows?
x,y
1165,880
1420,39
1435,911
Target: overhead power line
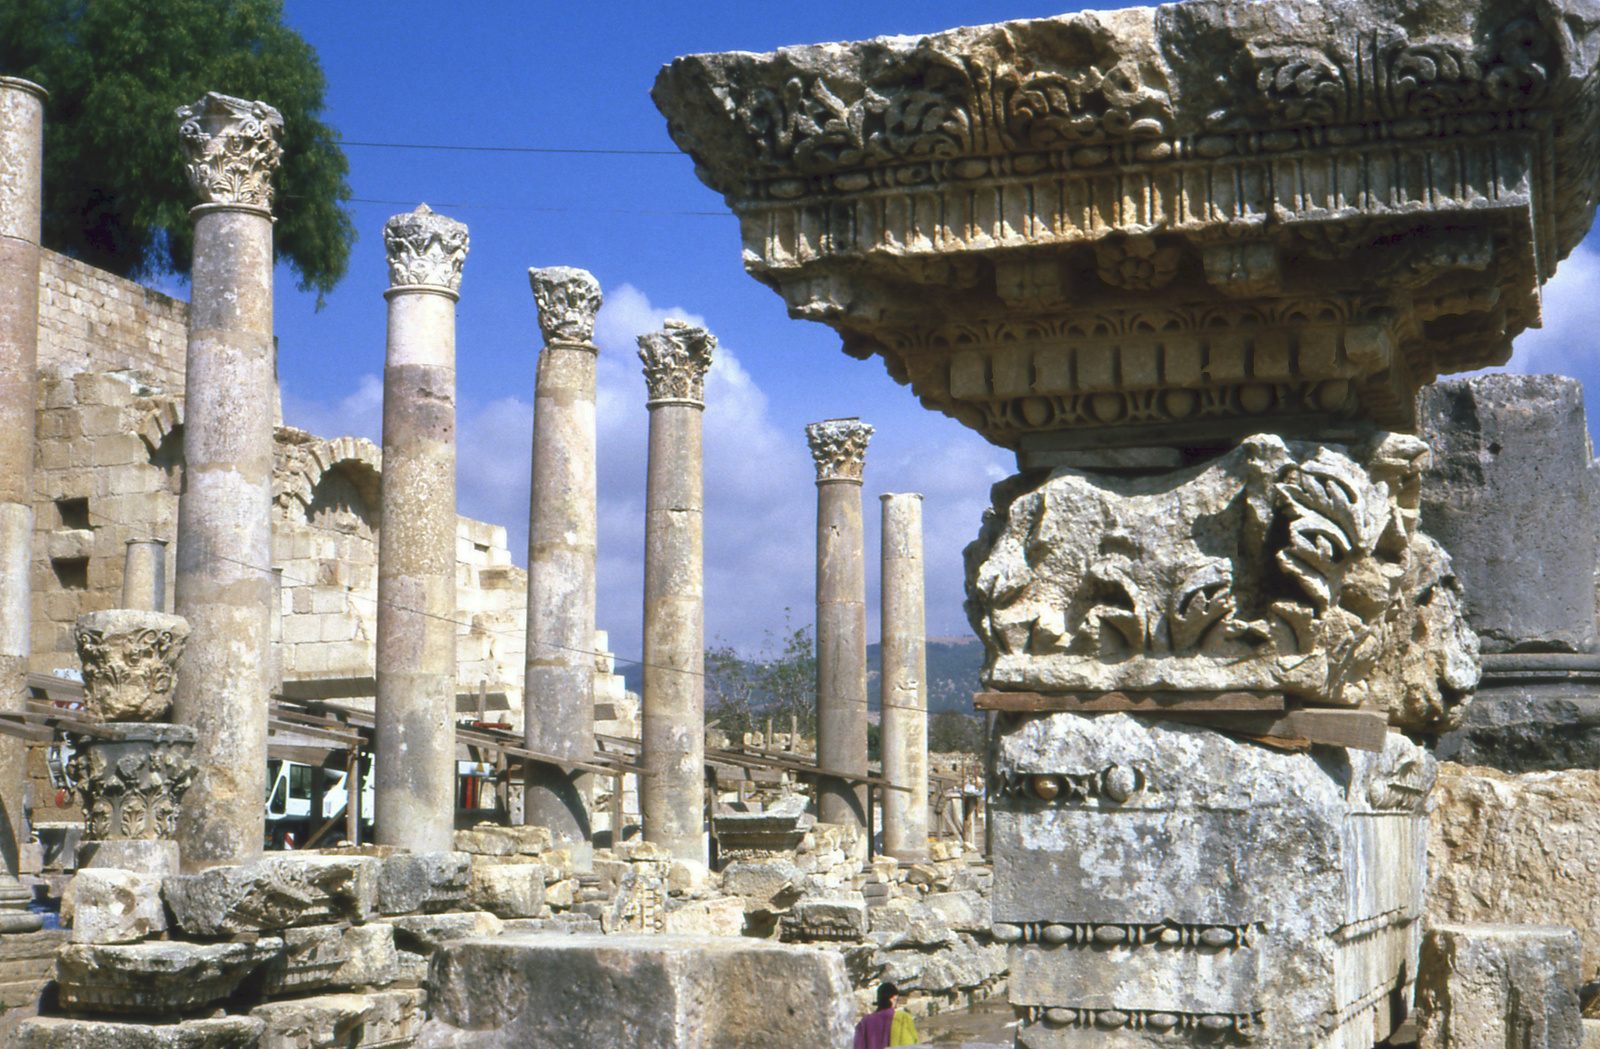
x,y
516,149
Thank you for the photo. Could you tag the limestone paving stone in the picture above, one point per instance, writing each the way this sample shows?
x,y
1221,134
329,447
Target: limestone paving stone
x,y
156,977
60,1032
509,890
681,993
104,905
1494,986
272,894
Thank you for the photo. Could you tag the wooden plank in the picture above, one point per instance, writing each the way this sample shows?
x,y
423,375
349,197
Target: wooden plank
x,y
1360,729
1125,700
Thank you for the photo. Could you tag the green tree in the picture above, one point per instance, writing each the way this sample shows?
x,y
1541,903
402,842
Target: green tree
x,y
115,194
778,683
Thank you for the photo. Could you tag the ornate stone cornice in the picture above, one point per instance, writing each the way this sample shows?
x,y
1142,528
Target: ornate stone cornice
x,y
568,300
231,149
840,448
425,250
676,360
1023,200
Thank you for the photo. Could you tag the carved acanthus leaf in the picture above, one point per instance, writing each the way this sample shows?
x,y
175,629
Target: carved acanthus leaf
x,y
676,360
840,448
425,249
568,300
231,149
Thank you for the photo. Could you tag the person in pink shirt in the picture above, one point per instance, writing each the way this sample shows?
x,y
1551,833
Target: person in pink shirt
x,y
888,1026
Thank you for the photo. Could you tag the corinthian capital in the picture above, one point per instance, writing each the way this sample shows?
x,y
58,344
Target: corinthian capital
x,y
840,448
676,360
425,249
567,299
130,661
231,149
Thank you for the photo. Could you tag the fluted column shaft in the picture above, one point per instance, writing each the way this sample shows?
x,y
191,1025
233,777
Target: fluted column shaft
x,y
904,680
21,176
672,789
224,557
559,694
839,447
414,767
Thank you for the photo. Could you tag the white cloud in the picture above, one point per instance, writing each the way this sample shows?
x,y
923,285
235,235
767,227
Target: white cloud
x,y
358,415
1569,341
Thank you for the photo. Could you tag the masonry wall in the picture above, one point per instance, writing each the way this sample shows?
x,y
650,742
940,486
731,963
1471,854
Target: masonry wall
x,y
90,320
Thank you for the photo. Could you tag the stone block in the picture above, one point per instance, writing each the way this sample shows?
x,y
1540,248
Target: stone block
x,y
687,877
1508,495
961,965
103,905
907,924
423,933
723,916
1591,1034
815,919
1499,987
967,911
330,1021
509,890
156,977
60,1032
626,992
556,924
1533,712
764,885
276,893
432,881
493,839
1517,848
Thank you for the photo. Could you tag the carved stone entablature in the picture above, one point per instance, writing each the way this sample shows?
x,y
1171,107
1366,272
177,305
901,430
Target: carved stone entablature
x,y
676,360
840,448
567,299
231,149
1082,172
425,249
1205,1028
1167,934
130,661
1278,565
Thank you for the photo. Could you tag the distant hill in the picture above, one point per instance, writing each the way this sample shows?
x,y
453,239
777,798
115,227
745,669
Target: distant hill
x,y
953,667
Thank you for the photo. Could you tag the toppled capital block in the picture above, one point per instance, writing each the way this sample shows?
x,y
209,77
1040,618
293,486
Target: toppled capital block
x,y
1499,987
155,977
273,894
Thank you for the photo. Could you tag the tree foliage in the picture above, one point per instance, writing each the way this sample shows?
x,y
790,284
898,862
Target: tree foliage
x,y
115,192
779,683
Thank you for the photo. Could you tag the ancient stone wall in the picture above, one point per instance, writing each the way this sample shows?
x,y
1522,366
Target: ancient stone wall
x,y
91,320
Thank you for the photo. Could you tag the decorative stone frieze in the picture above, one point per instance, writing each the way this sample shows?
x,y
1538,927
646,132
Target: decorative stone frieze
x,y
155,977
1246,216
273,894
130,660
425,249
133,784
840,448
567,299
230,149
676,360
1277,566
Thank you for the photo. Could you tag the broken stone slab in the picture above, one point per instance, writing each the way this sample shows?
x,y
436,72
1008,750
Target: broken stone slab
x,y
960,965
1508,495
493,839
821,919
323,956
1494,986
629,991
395,1020
61,1032
771,885
433,881
508,890
559,924
1517,848
156,977
777,829
723,916
966,911
904,923
330,1021
1533,712
423,933
273,894
104,905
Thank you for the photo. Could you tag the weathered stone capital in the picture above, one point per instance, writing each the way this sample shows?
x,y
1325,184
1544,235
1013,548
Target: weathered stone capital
x,y
231,149
676,360
568,299
425,249
840,448
130,661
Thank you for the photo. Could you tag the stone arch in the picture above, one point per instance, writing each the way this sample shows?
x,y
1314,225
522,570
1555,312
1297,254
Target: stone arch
x,y
304,460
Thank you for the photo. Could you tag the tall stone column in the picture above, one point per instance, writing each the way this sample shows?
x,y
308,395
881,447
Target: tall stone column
x,y
559,695
415,748
224,558
904,680
21,170
840,448
672,790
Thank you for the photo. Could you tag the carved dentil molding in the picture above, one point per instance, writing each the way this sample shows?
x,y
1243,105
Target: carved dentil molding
x,y
676,360
231,149
130,660
425,249
840,448
568,300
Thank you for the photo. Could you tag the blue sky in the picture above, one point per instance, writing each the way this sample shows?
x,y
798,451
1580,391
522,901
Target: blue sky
x,y
577,76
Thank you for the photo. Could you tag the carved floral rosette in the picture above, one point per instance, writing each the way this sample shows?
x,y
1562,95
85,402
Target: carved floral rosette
x,y
676,360
1277,566
133,781
230,149
568,300
840,448
425,249
130,662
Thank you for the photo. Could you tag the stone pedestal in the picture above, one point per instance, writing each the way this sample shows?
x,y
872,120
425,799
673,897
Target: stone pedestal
x,y
672,702
904,681
22,146
414,761
839,447
559,715
224,556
